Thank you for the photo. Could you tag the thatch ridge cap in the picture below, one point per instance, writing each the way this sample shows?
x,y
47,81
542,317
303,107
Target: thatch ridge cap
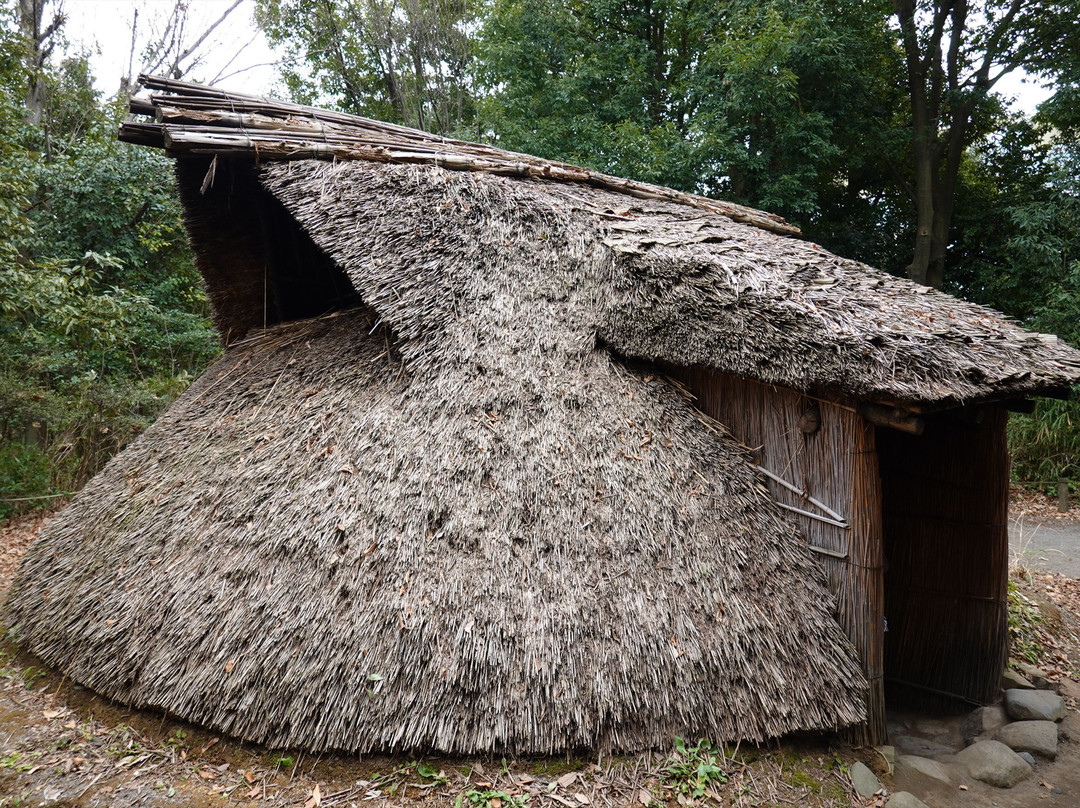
x,y
195,119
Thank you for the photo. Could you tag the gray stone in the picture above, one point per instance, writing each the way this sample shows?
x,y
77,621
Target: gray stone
x,y
1037,676
1037,737
889,753
983,721
1069,729
1067,687
1034,705
1027,757
925,777
930,727
905,799
1011,680
913,745
994,763
865,782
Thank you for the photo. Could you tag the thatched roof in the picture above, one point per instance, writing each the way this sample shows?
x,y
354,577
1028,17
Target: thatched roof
x,y
682,279
457,516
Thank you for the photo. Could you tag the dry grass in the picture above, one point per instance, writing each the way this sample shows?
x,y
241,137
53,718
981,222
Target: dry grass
x,y
315,547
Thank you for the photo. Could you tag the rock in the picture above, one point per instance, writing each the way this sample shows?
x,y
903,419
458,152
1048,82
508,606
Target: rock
x,y
1034,705
1069,729
896,725
1011,680
930,727
905,799
926,777
1037,676
994,763
865,782
983,721
889,753
1037,737
1027,757
913,745
1070,689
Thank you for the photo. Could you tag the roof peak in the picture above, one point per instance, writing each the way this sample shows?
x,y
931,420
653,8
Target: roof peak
x,y
193,119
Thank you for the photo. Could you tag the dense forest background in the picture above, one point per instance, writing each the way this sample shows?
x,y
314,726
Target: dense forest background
x,y
875,125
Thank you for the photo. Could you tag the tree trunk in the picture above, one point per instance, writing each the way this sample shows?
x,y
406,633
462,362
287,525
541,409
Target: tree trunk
x,y
39,45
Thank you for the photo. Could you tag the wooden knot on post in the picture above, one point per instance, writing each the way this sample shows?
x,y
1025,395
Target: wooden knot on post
x,y
810,422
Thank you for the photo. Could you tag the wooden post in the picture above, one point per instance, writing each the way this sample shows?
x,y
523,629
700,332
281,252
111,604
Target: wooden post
x,y
1063,495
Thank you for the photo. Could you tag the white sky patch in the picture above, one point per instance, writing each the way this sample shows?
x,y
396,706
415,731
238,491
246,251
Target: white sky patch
x,y
237,51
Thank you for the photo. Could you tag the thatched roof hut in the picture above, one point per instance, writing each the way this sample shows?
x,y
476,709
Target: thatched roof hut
x,y
474,471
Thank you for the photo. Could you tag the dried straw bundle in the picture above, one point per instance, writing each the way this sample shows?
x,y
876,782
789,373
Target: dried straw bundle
x,y
681,287
317,547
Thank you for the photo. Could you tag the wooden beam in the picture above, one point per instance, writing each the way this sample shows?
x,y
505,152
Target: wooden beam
x,y
1025,405
893,417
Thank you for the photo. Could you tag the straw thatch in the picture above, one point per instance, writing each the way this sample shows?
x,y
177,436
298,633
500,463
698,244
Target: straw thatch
x,y
454,516
695,281
318,546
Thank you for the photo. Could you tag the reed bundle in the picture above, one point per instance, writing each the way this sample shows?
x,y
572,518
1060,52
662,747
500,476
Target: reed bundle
x,y
315,547
193,120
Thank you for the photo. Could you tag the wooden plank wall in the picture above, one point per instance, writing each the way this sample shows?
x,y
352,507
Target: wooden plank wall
x,y
838,466
945,502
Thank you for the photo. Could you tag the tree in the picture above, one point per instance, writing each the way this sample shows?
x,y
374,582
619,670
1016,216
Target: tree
x,y
168,45
39,33
770,102
102,321
404,61
955,52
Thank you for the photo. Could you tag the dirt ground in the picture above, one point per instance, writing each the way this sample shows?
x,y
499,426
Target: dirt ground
x,y
61,745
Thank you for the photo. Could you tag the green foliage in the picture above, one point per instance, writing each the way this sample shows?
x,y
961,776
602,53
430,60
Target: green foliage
x,y
692,770
769,103
435,776
1025,620
102,321
1045,445
487,798
402,62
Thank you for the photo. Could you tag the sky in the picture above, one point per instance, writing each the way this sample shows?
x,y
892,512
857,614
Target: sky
x,y
236,50
239,52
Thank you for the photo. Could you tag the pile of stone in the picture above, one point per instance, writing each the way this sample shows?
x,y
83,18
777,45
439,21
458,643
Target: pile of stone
x,y
997,745
1007,738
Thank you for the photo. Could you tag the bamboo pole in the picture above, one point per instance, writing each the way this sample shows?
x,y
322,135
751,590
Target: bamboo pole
x,y
198,120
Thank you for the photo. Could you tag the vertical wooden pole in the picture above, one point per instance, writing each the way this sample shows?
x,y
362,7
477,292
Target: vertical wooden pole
x,y
862,610
1063,495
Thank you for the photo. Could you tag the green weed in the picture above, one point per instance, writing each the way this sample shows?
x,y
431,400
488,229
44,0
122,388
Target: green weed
x,y
693,769
486,798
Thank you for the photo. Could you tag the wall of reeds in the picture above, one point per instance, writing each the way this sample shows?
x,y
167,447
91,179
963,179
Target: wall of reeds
x,y
945,505
833,471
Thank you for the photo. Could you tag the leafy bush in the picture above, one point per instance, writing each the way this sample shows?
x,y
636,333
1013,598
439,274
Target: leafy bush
x,y
102,318
1045,445
694,769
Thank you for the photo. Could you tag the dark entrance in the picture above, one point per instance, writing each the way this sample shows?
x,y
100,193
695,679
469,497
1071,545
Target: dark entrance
x,y
945,526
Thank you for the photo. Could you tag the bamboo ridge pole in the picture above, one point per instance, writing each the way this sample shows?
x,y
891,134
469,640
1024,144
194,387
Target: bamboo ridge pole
x,y
191,119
